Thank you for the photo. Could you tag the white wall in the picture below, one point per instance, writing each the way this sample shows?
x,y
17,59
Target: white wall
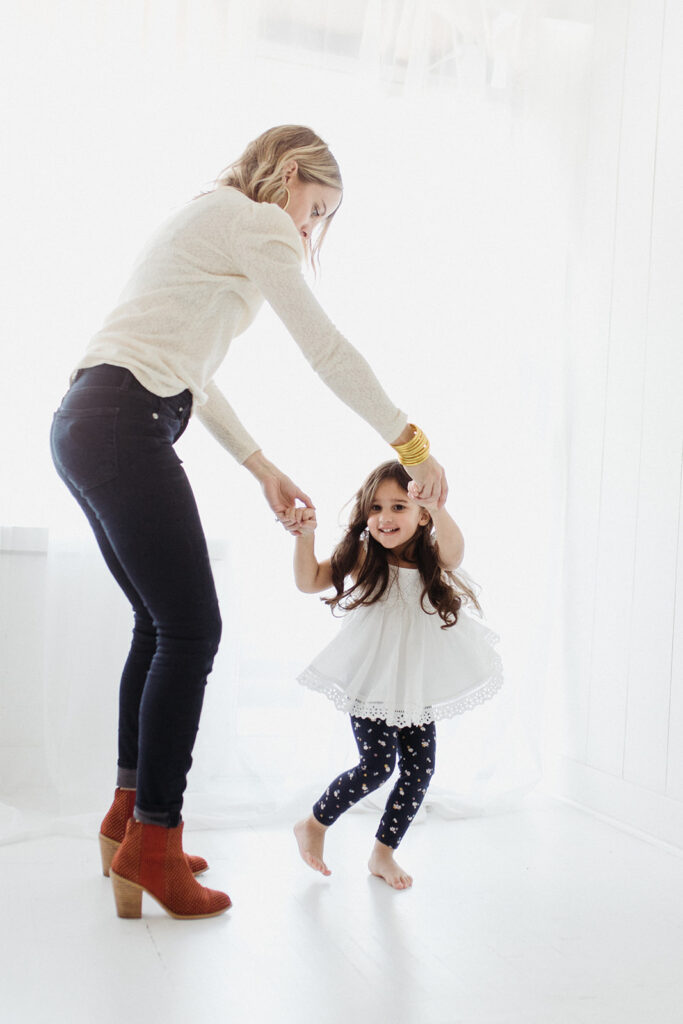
x,y
618,724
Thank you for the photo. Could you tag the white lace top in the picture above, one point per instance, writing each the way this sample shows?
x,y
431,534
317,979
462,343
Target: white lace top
x,y
391,660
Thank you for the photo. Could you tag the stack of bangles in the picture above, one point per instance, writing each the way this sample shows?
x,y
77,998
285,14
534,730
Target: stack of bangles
x,y
415,451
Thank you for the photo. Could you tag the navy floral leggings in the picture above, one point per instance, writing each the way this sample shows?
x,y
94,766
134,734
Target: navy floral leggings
x,y
378,744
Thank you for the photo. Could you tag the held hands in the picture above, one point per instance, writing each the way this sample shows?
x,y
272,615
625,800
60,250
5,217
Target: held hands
x,y
415,499
428,486
299,521
281,493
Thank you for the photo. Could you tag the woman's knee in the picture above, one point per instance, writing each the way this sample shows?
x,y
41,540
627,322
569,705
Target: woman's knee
x,y
214,628
192,633
211,631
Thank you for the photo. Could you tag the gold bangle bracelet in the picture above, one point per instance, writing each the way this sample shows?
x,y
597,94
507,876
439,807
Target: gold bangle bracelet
x,y
415,451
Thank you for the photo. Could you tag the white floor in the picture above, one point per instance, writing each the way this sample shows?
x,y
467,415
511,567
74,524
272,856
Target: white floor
x,y
542,916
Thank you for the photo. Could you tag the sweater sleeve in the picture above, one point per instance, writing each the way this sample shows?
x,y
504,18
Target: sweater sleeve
x,y
220,419
268,251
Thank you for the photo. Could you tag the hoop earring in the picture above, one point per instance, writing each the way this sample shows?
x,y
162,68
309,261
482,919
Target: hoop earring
x,y
288,197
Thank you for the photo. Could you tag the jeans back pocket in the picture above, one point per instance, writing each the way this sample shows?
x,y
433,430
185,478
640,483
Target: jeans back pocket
x,y
83,443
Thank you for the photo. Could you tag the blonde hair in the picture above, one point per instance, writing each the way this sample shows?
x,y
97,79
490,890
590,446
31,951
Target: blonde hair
x,y
259,171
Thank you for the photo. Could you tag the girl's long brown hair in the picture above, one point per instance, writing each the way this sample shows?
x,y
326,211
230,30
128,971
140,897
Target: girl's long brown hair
x,y
360,553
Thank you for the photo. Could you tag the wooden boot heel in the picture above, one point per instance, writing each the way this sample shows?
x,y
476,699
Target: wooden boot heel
x,y
108,848
128,896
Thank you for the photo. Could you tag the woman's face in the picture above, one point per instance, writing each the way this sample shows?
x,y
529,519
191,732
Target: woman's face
x,y
393,518
310,204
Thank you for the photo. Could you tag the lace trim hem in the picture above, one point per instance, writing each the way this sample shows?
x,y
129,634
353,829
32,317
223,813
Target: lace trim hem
x,y
409,715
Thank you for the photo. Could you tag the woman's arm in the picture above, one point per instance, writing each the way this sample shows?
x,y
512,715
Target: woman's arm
x,y
265,246
220,419
268,250
218,416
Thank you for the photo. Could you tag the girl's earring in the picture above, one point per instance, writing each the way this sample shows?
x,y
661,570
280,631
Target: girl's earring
x,y
288,197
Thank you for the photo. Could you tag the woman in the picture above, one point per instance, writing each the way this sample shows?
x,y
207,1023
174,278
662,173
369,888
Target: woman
x,y
198,283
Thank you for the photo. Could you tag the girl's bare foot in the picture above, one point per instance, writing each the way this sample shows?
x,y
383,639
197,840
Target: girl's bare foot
x,y
383,865
310,835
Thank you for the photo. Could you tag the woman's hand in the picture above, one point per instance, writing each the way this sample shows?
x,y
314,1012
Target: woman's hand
x,y
280,492
429,485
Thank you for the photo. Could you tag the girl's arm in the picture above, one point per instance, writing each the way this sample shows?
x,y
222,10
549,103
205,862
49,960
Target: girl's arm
x,y
310,575
449,539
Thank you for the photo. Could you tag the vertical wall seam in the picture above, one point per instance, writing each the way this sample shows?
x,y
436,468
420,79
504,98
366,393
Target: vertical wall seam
x,y
645,371
673,623
606,394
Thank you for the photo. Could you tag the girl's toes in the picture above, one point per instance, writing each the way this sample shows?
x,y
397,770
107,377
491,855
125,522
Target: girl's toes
x,y
318,865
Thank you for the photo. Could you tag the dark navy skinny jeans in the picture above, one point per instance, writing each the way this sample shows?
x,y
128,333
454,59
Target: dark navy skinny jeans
x,y
112,444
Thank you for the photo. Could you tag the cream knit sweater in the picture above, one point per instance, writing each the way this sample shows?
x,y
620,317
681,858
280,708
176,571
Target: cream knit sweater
x,y
200,282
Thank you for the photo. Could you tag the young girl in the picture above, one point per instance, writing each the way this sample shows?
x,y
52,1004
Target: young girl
x,y
405,656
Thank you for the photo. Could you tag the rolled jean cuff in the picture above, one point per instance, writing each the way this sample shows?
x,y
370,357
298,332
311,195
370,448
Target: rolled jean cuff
x,y
163,818
126,778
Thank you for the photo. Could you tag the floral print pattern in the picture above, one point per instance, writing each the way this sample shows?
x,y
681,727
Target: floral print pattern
x,y
378,745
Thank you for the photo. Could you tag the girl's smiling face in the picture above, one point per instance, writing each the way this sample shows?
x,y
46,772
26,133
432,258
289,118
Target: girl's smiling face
x,y
393,518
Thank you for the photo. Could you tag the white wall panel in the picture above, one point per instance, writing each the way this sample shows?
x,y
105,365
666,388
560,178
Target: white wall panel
x,y
22,734
624,390
675,766
589,303
647,728
624,674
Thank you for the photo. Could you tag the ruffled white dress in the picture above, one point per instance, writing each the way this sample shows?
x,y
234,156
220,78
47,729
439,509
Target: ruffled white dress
x,y
392,661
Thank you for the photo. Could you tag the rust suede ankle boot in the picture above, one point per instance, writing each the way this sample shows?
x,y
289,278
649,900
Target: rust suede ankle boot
x,y
113,829
150,859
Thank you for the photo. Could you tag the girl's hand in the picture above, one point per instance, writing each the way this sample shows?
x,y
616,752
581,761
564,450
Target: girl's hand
x,y
428,486
298,521
415,499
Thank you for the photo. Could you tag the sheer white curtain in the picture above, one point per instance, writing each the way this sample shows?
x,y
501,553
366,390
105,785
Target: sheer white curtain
x,y
458,127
